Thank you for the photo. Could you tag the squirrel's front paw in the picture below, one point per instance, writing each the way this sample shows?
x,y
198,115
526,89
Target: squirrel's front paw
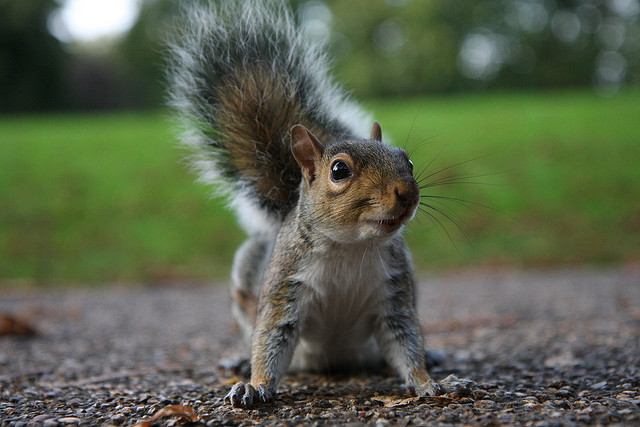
x,y
246,396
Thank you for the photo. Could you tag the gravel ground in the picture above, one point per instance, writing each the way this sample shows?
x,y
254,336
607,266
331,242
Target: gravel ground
x,y
558,347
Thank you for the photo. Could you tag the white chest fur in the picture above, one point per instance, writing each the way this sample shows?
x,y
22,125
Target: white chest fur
x,y
338,319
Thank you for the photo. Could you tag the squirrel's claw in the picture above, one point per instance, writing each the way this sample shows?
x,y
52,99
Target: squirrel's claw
x,y
234,397
246,396
249,396
265,393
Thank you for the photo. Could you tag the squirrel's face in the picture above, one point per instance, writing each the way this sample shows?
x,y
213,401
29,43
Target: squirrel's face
x,y
359,190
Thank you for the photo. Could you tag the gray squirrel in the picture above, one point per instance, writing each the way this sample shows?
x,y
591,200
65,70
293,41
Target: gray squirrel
x,y
324,280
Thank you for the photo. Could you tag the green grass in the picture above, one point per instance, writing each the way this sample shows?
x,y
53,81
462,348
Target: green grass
x,y
103,198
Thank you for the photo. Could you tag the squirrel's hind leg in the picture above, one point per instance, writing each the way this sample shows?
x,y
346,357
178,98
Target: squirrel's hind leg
x,y
247,273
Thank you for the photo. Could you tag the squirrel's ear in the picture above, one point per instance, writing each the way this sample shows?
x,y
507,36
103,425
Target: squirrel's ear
x,y
307,150
376,132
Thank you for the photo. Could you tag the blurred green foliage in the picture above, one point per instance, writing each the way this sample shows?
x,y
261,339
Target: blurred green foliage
x,y
404,47
32,61
409,47
379,48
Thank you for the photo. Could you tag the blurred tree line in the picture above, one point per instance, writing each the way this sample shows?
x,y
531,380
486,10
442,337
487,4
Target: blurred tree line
x,y
32,61
380,48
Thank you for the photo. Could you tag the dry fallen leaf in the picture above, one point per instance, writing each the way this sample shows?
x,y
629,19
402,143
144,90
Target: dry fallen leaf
x,y
10,325
183,412
392,402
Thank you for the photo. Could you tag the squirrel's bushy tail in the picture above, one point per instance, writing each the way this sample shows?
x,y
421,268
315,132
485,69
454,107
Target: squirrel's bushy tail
x,y
241,74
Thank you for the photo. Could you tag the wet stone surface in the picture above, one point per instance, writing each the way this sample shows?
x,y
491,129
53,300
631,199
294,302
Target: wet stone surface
x,y
560,347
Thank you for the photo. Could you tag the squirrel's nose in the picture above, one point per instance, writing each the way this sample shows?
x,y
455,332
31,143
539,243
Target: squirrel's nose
x,y
408,194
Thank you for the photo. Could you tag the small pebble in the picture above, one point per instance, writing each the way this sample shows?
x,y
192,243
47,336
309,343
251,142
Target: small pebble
x,y
69,420
484,404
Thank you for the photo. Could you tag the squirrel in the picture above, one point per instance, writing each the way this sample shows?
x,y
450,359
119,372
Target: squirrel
x,y
324,280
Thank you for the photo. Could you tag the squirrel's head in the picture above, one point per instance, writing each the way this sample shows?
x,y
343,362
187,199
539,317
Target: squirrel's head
x,y
355,190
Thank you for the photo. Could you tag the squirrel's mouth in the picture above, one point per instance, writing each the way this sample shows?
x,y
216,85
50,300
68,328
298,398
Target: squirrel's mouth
x,y
390,224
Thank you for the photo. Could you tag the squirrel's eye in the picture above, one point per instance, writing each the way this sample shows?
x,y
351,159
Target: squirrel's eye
x,y
411,166
340,170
